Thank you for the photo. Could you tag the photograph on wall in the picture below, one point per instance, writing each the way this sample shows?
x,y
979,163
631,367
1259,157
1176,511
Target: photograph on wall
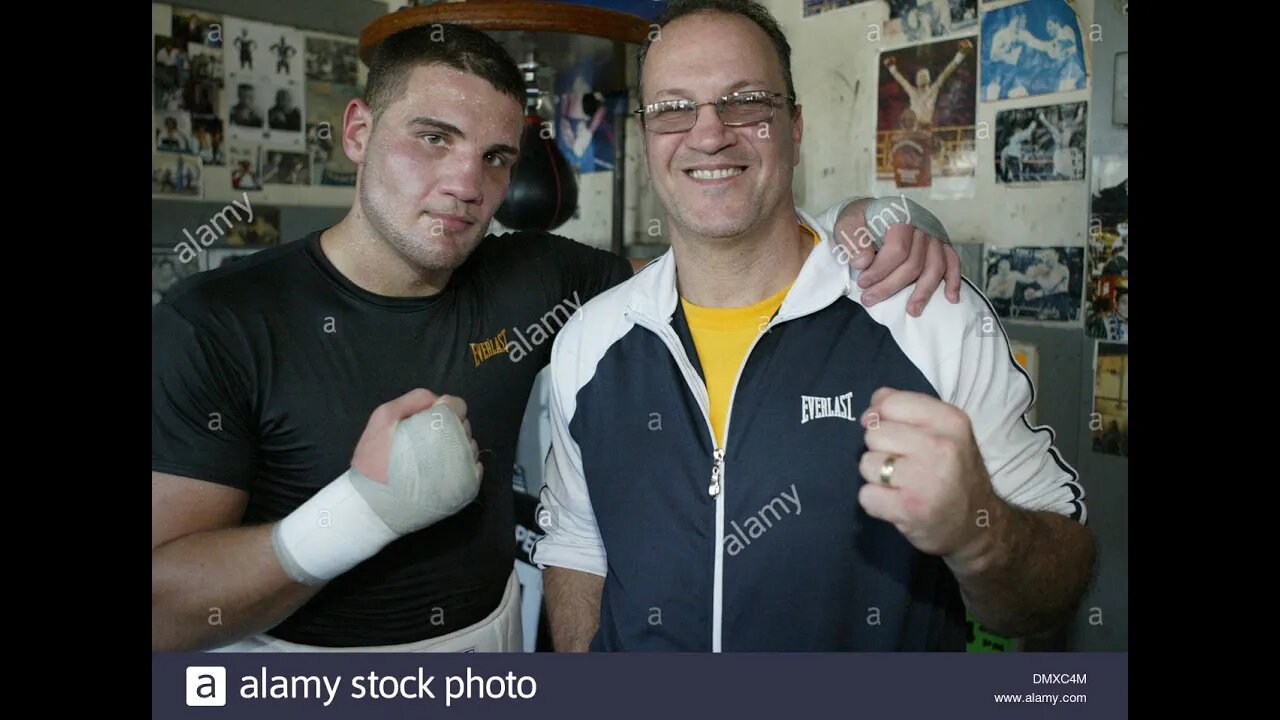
x,y
176,174
280,167
167,270
202,97
1028,358
326,103
1108,289
972,262
1035,283
284,117
1041,144
217,257
584,128
925,134
265,81
263,50
243,159
813,7
172,70
202,93
262,229
1110,420
248,116
197,27
266,110
332,61
173,132
919,20
207,134
206,64
1031,48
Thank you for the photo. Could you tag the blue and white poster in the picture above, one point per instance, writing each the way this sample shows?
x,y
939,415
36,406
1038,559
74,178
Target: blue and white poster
x,y
584,127
1031,48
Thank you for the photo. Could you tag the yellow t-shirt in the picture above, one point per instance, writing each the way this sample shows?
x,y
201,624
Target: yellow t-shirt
x,y
722,337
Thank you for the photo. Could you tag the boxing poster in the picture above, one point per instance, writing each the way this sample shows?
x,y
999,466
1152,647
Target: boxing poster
x,y
266,82
584,120
326,103
922,20
1110,419
1041,144
244,159
176,174
1108,290
925,135
282,167
1036,283
1031,48
813,7
332,61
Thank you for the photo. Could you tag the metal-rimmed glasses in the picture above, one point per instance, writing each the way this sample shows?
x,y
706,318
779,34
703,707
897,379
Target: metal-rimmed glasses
x,y
748,107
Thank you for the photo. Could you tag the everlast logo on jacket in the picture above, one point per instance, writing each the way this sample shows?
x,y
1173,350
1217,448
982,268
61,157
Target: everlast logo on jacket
x,y
815,408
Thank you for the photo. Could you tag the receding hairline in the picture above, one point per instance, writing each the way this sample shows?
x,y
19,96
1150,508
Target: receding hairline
x,y
777,56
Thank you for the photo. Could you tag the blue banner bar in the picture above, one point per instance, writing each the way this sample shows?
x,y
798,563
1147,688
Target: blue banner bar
x,y
641,686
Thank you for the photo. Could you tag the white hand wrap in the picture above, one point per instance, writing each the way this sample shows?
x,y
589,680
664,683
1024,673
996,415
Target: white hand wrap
x,y
430,476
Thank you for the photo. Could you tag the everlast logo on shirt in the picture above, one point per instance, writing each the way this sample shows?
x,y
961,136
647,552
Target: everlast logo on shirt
x,y
486,349
814,408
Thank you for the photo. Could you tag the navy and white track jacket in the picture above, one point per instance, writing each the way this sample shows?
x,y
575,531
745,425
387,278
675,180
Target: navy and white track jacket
x,y
762,544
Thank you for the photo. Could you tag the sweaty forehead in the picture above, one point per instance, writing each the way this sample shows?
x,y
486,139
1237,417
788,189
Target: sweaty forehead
x,y
467,101
710,49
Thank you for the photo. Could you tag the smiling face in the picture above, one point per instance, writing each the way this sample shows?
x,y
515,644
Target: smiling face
x,y
716,181
436,165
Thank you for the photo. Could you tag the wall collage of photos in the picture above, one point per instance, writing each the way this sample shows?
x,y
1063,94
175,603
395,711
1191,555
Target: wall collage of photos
x,y
944,57
263,102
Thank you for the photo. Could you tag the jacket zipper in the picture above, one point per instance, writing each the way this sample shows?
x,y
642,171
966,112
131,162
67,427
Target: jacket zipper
x,y
716,488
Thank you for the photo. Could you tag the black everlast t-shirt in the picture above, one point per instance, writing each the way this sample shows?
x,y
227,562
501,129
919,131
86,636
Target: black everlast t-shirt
x,y
265,374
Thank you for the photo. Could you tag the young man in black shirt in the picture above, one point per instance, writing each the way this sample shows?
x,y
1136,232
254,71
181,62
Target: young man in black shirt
x,y
268,372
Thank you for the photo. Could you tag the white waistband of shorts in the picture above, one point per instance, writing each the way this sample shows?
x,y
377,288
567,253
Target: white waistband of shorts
x,y
499,632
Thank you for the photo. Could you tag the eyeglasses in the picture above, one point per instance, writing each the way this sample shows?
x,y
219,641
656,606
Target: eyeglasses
x,y
734,110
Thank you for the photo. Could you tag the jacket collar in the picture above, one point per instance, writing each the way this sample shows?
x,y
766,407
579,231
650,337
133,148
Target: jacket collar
x,y
822,279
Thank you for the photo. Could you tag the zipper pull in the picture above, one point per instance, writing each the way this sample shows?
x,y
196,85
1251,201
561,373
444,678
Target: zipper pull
x,y
717,471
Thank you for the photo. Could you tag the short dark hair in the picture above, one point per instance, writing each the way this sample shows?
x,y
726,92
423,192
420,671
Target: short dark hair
x,y
455,46
753,11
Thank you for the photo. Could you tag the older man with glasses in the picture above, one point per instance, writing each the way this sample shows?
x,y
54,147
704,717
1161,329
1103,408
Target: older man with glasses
x,y
715,417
